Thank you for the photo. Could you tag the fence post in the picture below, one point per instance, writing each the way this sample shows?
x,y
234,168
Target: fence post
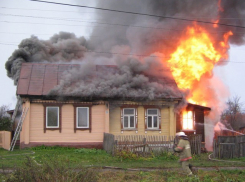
x,y
237,147
108,142
219,151
114,148
144,143
214,148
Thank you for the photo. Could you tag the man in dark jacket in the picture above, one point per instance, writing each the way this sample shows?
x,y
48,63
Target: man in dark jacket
x,y
184,149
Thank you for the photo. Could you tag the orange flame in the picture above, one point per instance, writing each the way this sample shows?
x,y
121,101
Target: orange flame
x,y
195,57
224,44
220,7
215,25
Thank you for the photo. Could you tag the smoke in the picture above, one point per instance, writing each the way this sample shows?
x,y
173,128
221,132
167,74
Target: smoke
x,y
62,47
163,34
131,79
138,45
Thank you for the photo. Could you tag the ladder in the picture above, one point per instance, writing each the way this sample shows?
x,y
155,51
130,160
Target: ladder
x,y
18,104
18,128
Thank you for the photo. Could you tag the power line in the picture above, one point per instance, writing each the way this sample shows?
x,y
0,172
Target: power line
x,y
22,33
41,10
52,10
40,17
100,52
124,54
143,14
31,23
8,44
103,23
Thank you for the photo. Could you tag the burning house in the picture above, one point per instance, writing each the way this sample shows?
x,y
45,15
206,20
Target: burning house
x,y
60,115
161,80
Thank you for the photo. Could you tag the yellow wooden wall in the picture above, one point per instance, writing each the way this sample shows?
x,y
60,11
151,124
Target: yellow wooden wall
x,y
33,126
168,122
102,119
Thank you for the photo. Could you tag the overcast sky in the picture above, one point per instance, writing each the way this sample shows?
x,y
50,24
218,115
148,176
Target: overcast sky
x,y
17,24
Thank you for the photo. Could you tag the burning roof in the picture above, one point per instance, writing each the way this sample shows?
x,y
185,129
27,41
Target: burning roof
x,y
100,81
185,44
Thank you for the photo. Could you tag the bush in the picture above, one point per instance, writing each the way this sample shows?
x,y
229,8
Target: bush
x,y
5,124
5,120
168,156
51,170
89,151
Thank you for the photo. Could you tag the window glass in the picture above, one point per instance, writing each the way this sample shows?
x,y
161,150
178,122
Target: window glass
x,y
155,122
152,119
131,121
126,121
128,111
152,111
129,118
149,121
82,117
52,119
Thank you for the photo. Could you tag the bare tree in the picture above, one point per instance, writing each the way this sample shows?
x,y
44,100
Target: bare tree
x,y
234,114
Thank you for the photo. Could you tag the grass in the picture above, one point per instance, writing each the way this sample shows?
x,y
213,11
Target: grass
x,y
69,164
61,173
171,176
99,158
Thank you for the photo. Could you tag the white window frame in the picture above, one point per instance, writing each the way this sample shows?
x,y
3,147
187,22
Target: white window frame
x,y
58,122
152,116
128,115
77,117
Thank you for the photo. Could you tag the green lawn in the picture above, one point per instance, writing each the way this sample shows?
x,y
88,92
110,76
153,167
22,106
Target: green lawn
x,y
68,164
98,158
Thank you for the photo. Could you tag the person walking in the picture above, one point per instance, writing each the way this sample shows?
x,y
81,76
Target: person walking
x,y
184,149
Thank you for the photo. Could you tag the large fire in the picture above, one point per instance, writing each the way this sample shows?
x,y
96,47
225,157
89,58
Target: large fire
x,y
195,57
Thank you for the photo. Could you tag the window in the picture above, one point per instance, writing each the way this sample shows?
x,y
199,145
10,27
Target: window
x,y
52,117
82,117
187,121
128,118
82,120
152,119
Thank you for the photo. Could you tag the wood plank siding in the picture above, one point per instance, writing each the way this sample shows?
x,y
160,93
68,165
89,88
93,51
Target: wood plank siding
x,y
37,135
165,120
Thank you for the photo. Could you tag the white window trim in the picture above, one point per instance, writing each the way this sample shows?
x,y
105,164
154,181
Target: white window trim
x,y
129,119
77,117
152,115
47,117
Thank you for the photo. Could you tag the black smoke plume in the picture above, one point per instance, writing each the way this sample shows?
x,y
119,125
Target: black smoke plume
x,y
134,39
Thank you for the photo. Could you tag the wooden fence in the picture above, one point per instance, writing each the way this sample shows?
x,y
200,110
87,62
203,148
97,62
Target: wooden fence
x,y
226,132
229,146
145,143
196,143
108,142
5,139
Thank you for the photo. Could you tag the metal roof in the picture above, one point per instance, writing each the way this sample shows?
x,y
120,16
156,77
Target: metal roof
x,y
38,79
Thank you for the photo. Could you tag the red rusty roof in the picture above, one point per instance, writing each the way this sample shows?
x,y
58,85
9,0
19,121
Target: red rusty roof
x,y
38,79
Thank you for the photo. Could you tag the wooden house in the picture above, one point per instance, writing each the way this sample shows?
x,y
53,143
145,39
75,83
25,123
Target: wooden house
x,y
81,122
